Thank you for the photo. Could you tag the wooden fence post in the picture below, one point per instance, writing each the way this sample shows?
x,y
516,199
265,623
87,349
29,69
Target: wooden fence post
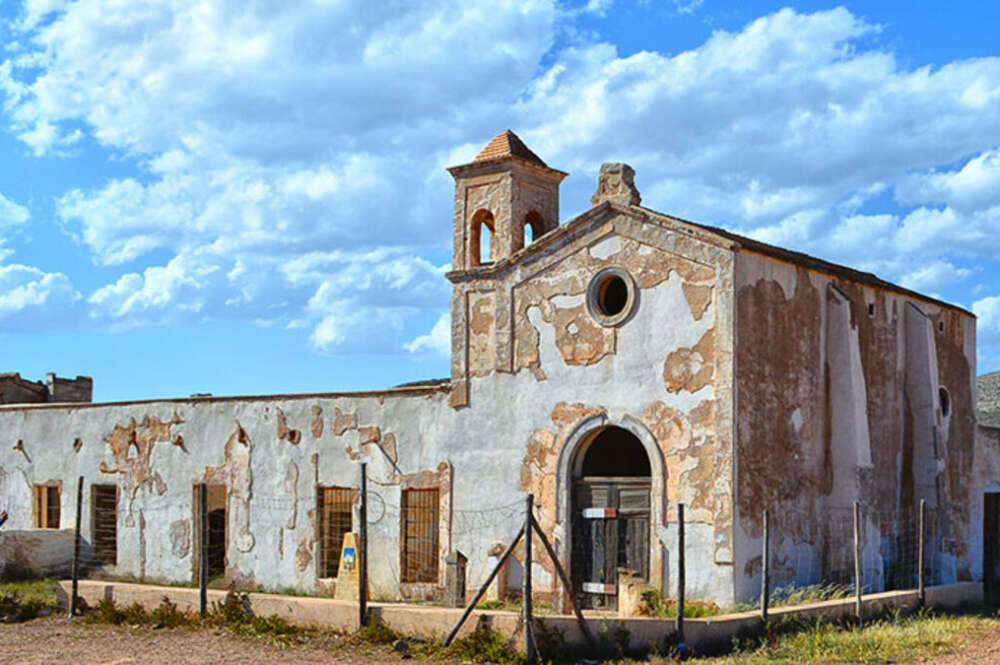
x,y
920,554
857,560
203,553
363,555
529,637
765,568
680,573
76,548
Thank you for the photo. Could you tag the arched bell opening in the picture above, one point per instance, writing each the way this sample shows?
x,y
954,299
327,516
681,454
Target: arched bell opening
x,y
534,227
482,241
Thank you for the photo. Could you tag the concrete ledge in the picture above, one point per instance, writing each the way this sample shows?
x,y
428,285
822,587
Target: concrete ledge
x,y
299,610
954,595
703,634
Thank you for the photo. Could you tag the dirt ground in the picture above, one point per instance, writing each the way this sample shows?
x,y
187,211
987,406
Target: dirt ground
x,y
57,640
981,649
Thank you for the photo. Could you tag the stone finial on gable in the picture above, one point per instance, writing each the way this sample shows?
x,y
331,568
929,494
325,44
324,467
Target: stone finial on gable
x,y
617,184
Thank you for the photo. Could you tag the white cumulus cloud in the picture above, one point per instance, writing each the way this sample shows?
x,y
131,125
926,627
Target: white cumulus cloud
x,y
289,157
438,340
11,213
31,298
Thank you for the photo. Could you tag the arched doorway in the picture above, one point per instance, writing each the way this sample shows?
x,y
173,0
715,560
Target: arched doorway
x,y
610,515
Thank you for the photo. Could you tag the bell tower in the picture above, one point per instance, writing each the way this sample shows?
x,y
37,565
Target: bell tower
x,y
504,199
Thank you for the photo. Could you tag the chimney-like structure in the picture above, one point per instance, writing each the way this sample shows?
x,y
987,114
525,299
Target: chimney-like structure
x,y
80,389
15,390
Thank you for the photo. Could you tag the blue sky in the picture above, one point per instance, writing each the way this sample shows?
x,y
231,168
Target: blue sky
x,y
247,198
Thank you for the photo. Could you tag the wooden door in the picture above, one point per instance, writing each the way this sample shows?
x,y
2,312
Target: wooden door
x,y
610,531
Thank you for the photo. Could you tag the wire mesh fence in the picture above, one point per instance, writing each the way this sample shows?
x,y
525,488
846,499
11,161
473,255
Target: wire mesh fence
x,y
816,555
812,554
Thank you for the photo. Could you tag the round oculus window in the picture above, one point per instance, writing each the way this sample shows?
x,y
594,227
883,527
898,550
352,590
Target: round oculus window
x,y
611,297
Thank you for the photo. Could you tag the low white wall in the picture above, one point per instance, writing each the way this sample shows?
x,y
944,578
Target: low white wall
x,y
428,622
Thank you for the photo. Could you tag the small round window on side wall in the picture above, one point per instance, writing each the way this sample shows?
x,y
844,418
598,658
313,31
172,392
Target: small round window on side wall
x,y
611,296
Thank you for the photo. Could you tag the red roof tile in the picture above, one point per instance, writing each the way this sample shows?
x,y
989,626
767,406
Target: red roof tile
x,y
507,144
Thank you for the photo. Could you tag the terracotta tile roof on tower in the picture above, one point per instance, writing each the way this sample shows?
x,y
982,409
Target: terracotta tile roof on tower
x,y
507,144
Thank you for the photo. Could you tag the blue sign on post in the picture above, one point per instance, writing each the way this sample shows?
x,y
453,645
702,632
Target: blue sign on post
x,y
348,558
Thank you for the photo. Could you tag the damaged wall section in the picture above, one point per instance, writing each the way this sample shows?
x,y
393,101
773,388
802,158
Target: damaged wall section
x,y
839,390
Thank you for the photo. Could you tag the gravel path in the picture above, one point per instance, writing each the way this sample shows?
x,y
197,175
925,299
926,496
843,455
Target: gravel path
x,y
57,640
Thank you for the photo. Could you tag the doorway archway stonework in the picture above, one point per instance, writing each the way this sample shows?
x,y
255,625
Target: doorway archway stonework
x,y
565,472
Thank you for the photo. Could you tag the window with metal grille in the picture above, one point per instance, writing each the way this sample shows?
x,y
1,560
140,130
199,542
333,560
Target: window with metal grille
x,y
419,535
334,506
104,523
46,507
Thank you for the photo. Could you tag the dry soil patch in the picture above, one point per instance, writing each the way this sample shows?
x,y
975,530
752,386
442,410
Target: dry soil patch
x,y
57,640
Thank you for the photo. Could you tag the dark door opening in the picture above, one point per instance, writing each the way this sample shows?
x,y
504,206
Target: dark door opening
x,y
991,548
216,496
610,518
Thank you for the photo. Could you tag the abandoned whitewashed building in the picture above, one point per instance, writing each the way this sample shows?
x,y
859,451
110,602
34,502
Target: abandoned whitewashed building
x,y
624,359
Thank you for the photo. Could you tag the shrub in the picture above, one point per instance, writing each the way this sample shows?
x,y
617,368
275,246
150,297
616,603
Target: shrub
x,y
509,604
15,607
274,626
653,604
28,598
485,646
231,611
794,595
106,611
168,615
377,632
135,614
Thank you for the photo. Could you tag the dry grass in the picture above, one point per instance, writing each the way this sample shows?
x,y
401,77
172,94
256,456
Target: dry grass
x,y
27,598
890,639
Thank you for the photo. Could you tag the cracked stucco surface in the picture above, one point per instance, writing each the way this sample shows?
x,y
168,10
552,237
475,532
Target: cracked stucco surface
x,y
530,368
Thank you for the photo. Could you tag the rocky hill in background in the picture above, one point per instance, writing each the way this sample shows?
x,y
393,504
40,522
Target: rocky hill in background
x,y
988,406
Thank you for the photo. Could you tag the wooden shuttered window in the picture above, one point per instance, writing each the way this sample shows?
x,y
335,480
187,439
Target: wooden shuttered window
x,y
419,535
334,505
104,523
46,507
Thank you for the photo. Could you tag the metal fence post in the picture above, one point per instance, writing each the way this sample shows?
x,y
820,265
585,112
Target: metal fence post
x,y
765,568
680,573
76,548
203,567
584,628
482,590
529,637
920,554
363,558
857,560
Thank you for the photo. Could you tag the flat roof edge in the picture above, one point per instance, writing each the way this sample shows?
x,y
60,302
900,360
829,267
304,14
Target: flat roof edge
x,y
385,392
